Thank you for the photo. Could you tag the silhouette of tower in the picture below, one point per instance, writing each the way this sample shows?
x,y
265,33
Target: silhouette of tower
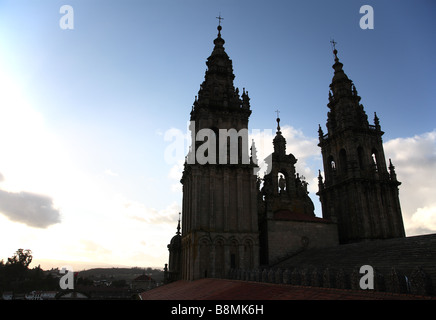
x,y
358,192
175,256
219,220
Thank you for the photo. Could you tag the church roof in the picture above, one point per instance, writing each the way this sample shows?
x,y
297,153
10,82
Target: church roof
x,y
222,289
405,254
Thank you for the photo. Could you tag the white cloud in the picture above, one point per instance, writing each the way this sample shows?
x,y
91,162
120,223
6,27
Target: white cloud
x,y
175,174
423,221
298,144
138,211
29,208
94,248
176,171
415,162
109,172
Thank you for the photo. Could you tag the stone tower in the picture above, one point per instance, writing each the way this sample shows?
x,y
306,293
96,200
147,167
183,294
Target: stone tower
x,y
358,192
287,222
219,209
283,186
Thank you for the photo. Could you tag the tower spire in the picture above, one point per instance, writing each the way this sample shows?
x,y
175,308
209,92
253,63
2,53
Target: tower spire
x,y
278,121
335,52
178,225
344,102
337,65
217,91
219,24
279,141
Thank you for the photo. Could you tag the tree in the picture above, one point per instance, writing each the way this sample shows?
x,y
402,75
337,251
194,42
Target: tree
x,y
17,266
21,257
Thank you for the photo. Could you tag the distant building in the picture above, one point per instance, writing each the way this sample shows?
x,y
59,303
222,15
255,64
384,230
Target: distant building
x,y
143,282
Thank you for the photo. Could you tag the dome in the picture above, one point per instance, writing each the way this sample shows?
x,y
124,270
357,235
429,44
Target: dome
x,y
176,240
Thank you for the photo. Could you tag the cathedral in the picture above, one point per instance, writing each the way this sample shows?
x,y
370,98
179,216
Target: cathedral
x,y
233,219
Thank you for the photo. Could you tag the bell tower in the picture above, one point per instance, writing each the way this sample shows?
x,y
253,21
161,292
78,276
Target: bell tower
x,y
358,192
219,218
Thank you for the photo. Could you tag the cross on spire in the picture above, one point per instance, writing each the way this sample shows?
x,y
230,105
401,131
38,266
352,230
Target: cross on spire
x,y
278,121
219,19
334,43
335,52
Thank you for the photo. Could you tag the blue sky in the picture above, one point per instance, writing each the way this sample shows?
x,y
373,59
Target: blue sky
x,y
84,112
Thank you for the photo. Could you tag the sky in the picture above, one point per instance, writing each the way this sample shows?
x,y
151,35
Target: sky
x,y
93,119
